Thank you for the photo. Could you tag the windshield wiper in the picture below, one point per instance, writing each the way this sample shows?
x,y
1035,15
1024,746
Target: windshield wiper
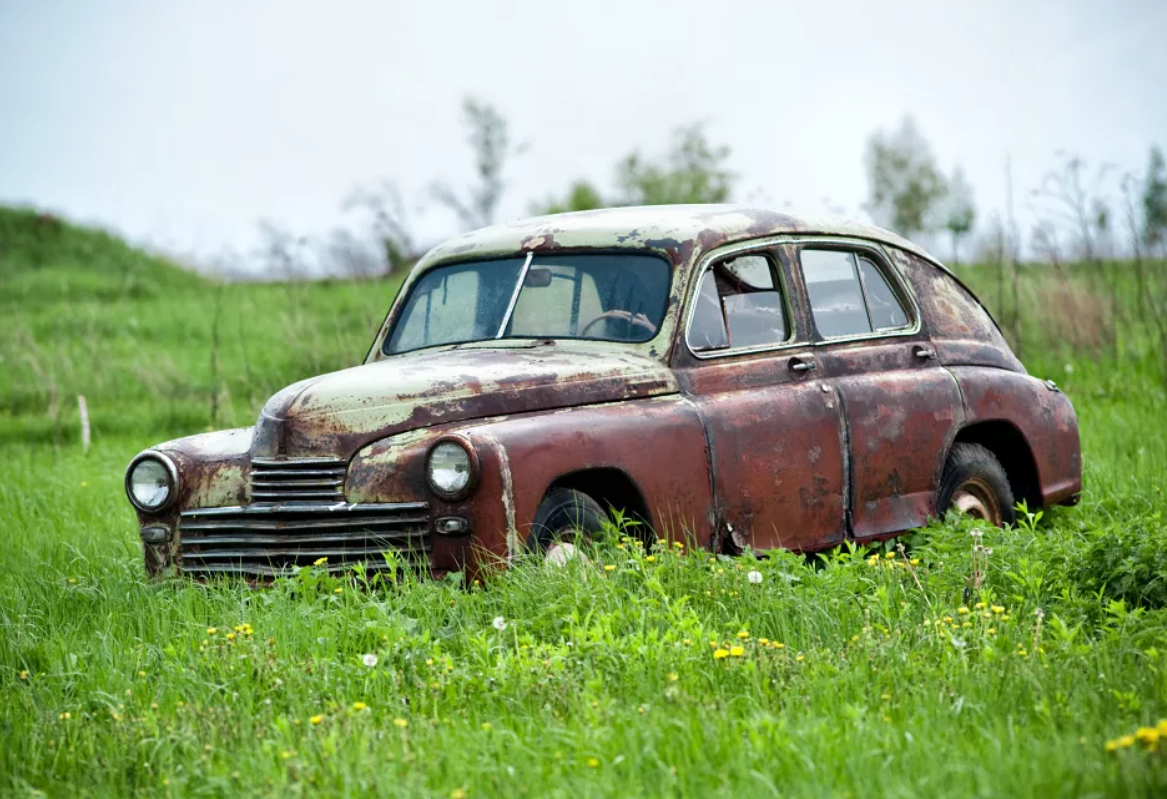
x,y
515,295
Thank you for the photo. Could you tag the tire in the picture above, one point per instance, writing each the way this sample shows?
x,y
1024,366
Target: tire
x,y
975,483
565,515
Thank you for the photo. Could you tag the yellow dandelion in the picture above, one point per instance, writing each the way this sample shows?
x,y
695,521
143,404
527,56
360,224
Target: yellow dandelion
x,y
1111,746
458,793
687,642
678,545
890,554
742,634
359,706
212,630
997,609
315,719
24,674
338,590
230,636
1125,741
402,723
1162,728
980,606
991,631
141,674
673,676
320,561
719,653
620,546
285,755
737,651
962,611
650,558
65,716
1148,736
798,658
593,762
486,725
609,568
914,561
779,645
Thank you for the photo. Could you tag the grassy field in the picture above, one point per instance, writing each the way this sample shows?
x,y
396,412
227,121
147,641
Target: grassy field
x,y
671,673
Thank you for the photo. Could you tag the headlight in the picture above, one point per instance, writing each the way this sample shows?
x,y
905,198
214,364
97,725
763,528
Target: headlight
x,y
451,468
151,481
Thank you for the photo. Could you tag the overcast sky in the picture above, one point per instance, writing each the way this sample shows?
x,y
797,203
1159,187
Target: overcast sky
x,y
183,123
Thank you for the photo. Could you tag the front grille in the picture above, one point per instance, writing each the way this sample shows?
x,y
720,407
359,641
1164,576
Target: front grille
x,y
299,480
273,540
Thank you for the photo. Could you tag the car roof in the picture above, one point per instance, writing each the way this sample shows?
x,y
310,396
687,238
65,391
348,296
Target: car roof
x,y
678,231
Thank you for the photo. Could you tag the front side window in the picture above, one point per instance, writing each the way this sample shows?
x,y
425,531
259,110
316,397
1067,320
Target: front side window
x,y
849,295
738,305
606,297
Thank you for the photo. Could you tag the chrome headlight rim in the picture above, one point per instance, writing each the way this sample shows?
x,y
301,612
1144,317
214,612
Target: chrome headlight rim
x,y
171,470
472,480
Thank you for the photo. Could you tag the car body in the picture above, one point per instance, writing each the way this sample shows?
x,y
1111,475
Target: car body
x,y
848,368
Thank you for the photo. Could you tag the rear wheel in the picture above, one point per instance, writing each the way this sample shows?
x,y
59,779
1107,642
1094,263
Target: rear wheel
x,y
975,483
565,520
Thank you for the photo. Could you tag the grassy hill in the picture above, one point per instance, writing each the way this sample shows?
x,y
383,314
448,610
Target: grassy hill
x,y
865,674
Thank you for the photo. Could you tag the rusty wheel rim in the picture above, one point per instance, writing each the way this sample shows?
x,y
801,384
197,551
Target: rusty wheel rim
x,y
975,499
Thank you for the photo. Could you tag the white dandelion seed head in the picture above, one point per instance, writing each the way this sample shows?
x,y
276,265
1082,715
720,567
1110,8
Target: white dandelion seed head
x,y
369,660
499,623
754,577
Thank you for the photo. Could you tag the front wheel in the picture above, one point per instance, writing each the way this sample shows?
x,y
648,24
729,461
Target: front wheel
x,y
565,519
975,483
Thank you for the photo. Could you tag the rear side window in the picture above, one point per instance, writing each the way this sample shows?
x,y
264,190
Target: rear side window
x,y
849,294
738,304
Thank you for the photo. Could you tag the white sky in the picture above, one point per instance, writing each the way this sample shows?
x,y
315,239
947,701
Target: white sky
x,y
183,123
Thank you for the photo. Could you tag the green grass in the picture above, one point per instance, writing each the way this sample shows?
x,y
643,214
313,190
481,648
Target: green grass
x,y
602,682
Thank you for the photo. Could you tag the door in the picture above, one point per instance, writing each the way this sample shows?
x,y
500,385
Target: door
x,y
773,428
900,407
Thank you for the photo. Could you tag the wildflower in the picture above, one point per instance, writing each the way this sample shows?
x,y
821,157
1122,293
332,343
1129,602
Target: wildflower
x,y
962,611
320,561
359,706
486,725
141,674
991,631
593,763
338,590
997,609
230,636
980,606
458,793
678,545
369,660
285,755
754,577
687,642
402,723
1148,736
742,634
873,560
914,561
779,645
673,677
737,651
890,554
798,658
212,630
1162,728
1111,746
499,623
65,716
609,568
720,653
1125,741
24,674
316,719
650,558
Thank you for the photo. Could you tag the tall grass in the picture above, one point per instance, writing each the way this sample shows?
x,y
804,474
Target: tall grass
x,y
670,672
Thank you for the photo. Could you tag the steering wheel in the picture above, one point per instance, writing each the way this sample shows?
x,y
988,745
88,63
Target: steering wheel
x,y
639,320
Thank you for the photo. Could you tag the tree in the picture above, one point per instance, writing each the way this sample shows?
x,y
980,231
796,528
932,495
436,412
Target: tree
x,y
693,172
1155,200
959,211
582,196
490,142
1074,200
390,225
904,184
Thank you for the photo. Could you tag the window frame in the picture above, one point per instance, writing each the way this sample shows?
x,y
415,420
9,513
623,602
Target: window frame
x,y
895,281
768,249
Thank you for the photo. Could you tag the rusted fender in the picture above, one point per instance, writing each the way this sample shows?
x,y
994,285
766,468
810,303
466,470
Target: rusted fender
x,y
658,443
1042,414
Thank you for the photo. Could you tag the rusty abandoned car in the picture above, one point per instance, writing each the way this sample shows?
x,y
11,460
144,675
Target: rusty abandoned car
x,y
734,376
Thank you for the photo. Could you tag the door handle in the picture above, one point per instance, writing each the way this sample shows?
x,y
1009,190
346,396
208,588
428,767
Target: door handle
x,y
924,353
799,365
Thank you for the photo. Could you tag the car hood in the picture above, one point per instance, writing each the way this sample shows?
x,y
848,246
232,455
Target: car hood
x,y
336,414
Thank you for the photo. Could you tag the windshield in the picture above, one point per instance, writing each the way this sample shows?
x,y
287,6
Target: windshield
x,y
605,297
